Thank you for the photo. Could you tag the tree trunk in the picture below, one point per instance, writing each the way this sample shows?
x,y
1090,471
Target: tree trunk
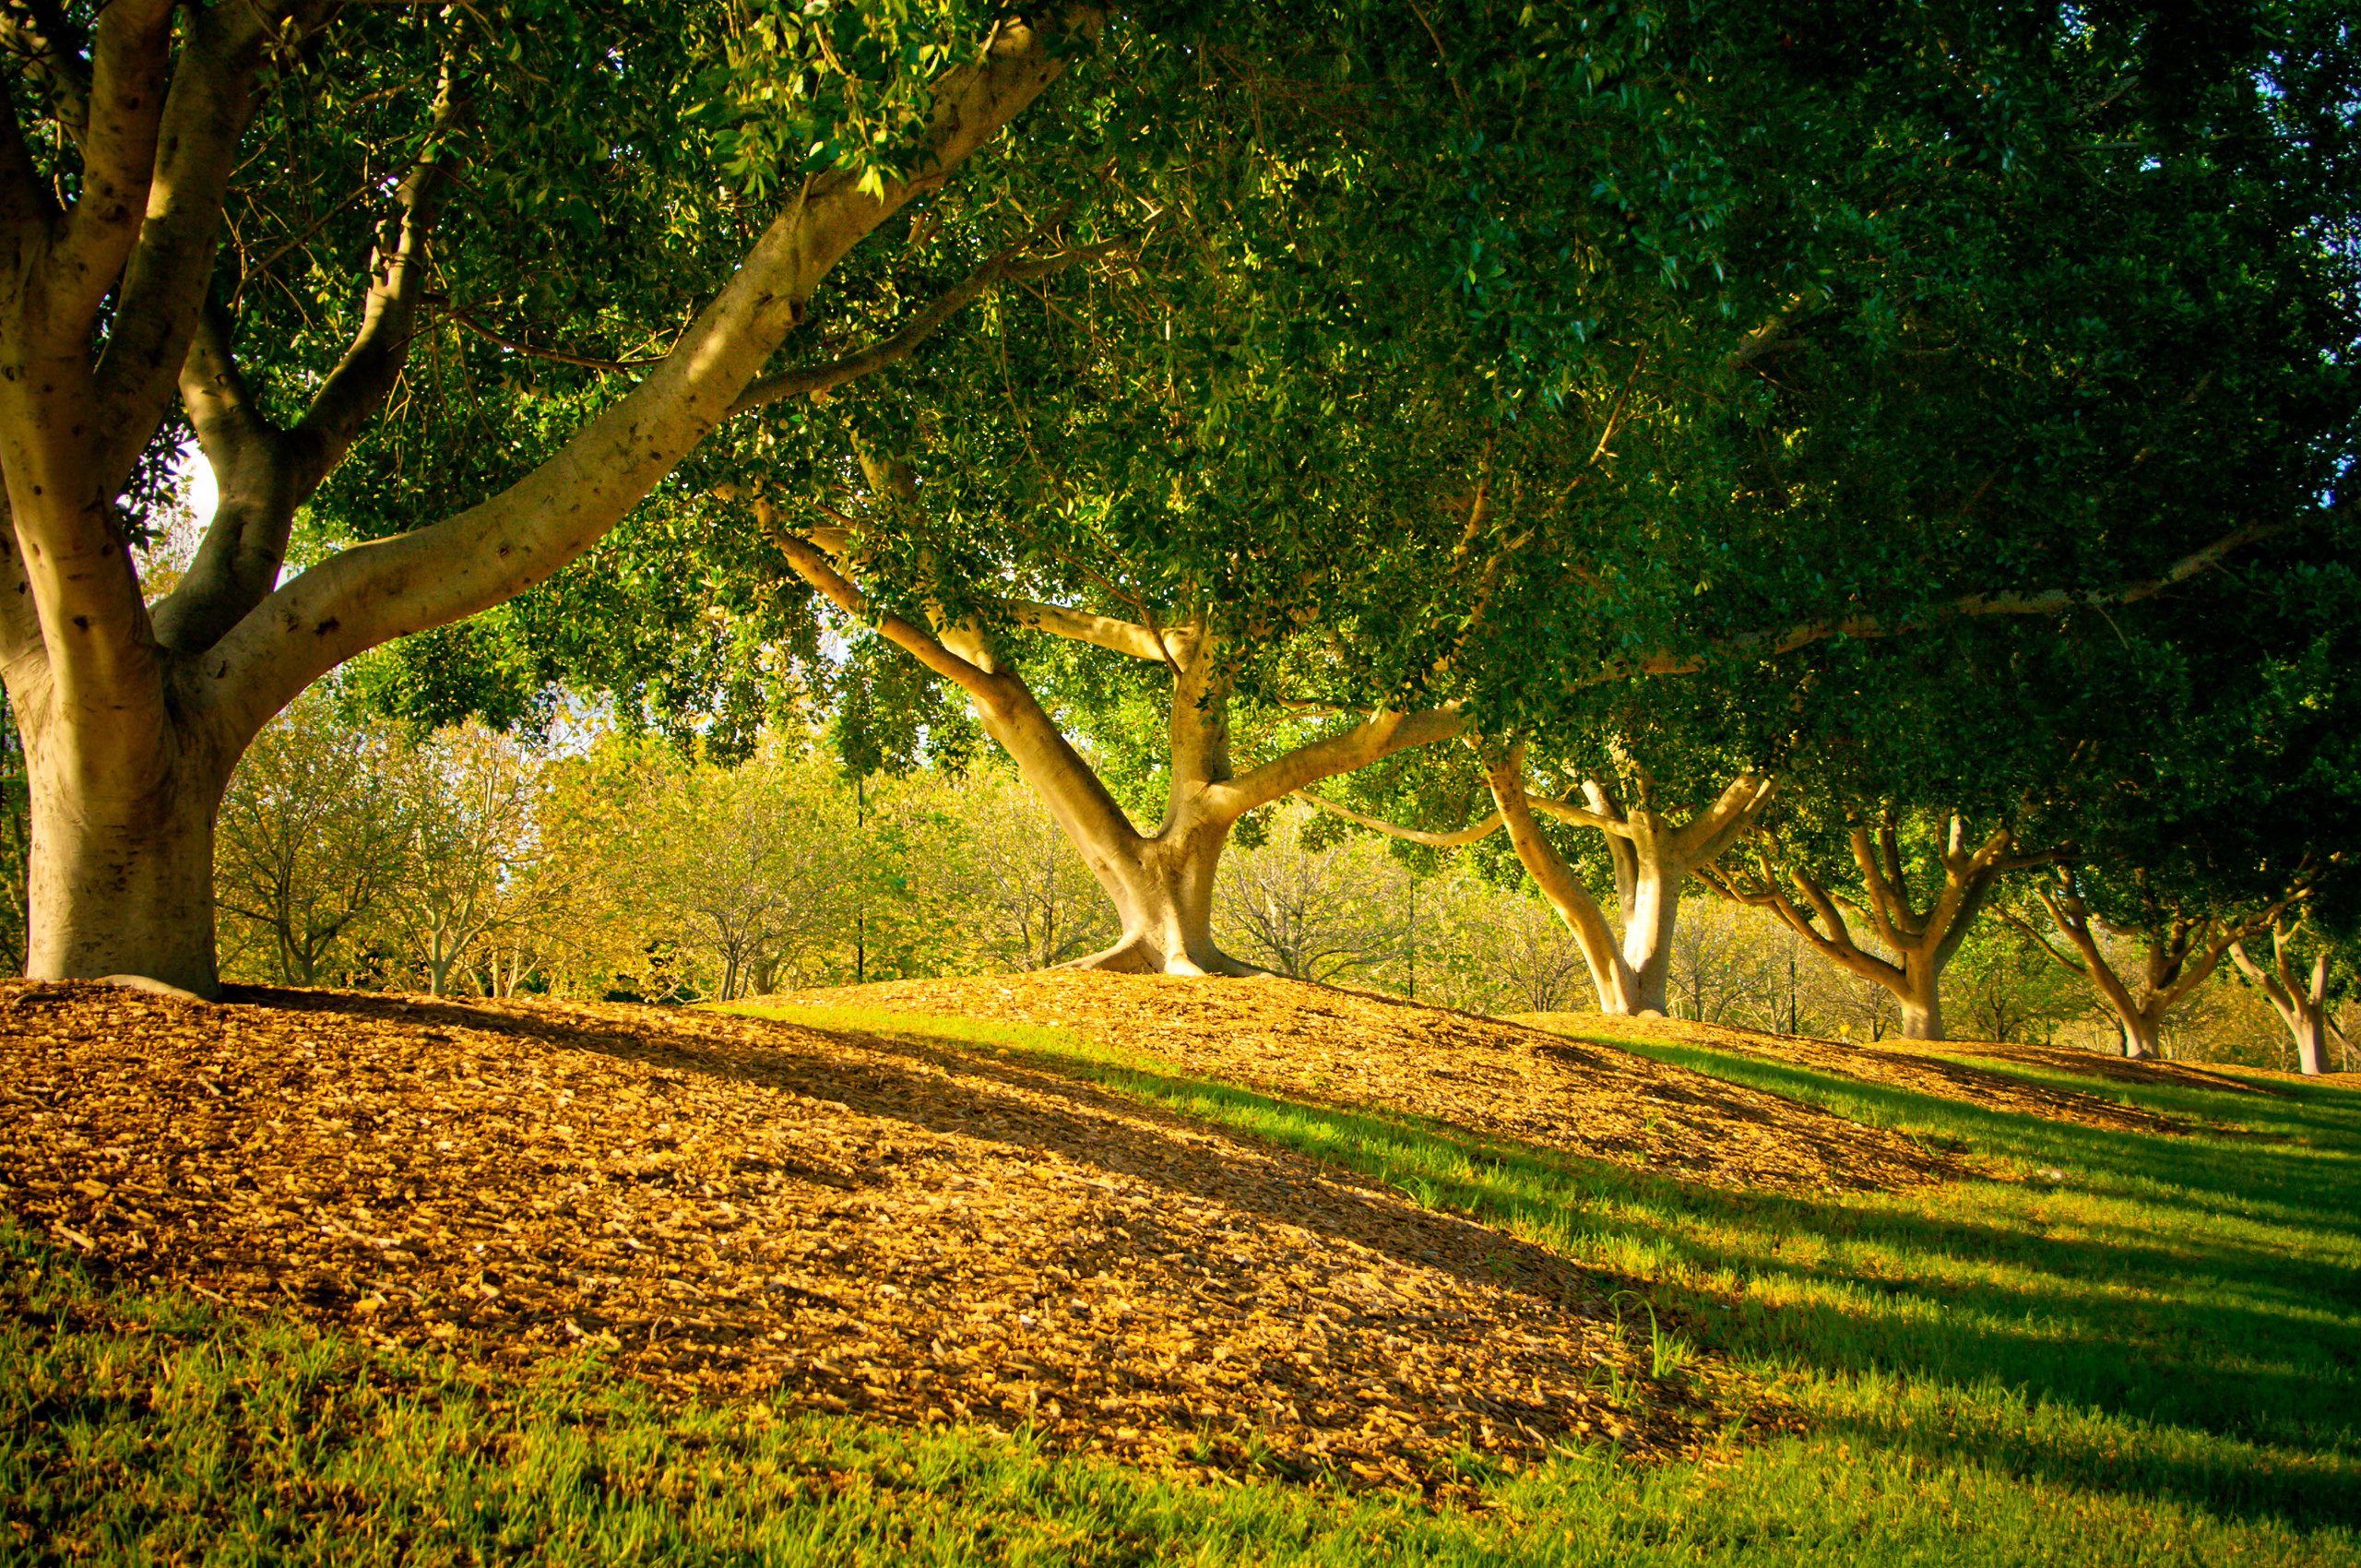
x,y
1922,1014
1651,900
1163,891
121,883
2309,1031
2142,1037
1161,885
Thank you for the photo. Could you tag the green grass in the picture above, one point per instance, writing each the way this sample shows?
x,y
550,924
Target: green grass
x,y
2151,1362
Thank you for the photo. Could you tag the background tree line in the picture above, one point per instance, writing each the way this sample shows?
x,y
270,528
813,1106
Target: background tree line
x,y
356,852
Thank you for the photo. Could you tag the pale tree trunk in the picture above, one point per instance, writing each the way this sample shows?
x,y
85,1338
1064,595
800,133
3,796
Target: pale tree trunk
x,y
132,724
1922,940
2177,957
2301,1003
120,880
1653,859
1161,884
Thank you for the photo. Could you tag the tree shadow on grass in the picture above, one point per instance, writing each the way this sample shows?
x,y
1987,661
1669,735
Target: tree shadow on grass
x,y
2313,1181
2144,1399
2240,1438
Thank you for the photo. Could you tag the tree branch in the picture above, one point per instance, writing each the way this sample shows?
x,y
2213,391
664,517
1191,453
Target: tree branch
x,y
1380,735
358,385
1610,970
2054,601
130,73
813,565
1468,835
462,317
1008,264
1126,637
1709,834
166,273
376,591
1566,811
264,474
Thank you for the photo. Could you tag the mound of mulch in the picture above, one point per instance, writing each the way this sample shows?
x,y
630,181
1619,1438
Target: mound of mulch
x,y
1932,1067
1362,1050
806,1218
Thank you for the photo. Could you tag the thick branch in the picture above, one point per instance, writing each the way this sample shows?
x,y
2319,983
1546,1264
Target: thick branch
x,y
1559,886
814,565
130,67
264,474
1710,833
1375,738
358,387
1566,811
1126,637
165,274
377,591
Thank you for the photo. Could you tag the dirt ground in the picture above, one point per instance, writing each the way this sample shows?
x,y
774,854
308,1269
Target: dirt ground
x,y
778,1214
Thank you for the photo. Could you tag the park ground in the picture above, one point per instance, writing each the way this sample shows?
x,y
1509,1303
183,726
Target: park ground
x,y
1100,1269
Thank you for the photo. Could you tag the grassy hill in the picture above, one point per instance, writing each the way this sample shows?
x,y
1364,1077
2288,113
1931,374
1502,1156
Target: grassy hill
x,y
1084,1268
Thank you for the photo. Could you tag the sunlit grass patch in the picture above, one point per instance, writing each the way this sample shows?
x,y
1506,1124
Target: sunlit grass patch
x,y
140,1427
2165,1317
2149,1358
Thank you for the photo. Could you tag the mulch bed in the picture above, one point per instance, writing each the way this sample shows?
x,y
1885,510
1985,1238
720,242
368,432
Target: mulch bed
x,y
1359,1050
739,1210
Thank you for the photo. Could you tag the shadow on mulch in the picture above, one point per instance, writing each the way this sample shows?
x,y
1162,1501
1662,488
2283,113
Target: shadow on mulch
x,y
806,1218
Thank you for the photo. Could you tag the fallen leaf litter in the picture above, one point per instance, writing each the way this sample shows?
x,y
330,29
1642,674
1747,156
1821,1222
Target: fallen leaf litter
x,y
734,1210
1494,1078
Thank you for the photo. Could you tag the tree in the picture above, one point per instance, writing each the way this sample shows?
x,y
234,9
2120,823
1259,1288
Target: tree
x,y
2004,988
315,834
139,124
1721,963
735,872
1954,869
471,801
2300,993
1314,912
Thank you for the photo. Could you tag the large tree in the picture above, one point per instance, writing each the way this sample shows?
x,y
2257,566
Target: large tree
x,y
171,169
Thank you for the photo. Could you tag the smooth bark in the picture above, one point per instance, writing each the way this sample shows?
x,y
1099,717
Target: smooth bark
x,y
2300,998
130,723
1921,938
1161,883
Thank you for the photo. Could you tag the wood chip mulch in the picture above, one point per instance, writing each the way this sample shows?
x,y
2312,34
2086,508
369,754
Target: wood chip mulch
x,y
1932,1067
1494,1078
803,1218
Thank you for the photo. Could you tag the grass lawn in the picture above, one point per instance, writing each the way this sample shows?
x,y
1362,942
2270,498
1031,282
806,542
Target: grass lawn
x,y
2152,1357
